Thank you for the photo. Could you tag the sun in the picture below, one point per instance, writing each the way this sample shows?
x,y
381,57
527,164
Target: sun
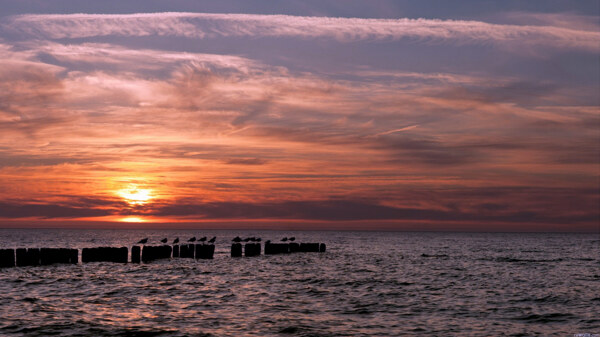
x,y
132,219
134,195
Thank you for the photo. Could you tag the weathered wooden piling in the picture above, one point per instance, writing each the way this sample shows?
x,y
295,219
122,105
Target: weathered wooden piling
x,y
276,248
74,256
151,253
175,250
28,257
58,255
322,248
309,247
205,251
236,250
294,247
136,254
187,251
104,254
252,249
7,258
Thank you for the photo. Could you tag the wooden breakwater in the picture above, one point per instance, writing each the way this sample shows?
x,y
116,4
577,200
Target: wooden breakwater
x,y
254,249
22,257
44,256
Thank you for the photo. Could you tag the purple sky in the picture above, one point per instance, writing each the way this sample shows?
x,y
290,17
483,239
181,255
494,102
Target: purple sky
x,y
466,115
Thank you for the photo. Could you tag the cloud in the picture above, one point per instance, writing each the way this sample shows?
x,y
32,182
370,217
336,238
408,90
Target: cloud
x,y
245,161
204,25
491,205
115,57
27,85
48,211
566,20
8,159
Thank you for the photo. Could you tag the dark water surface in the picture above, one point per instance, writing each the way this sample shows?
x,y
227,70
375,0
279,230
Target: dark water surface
x,y
366,284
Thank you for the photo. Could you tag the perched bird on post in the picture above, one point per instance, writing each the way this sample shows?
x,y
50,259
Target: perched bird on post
x,y
143,240
237,239
292,238
192,239
176,240
212,240
202,239
284,239
164,240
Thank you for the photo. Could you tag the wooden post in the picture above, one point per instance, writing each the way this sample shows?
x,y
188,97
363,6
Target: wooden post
x,y
252,249
28,257
186,251
236,250
309,247
276,248
136,254
205,251
7,258
57,255
151,253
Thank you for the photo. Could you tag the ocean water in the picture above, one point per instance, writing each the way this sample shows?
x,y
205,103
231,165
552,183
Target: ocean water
x,y
366,284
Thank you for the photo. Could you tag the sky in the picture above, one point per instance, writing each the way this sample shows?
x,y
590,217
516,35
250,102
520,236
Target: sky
x,y
344,115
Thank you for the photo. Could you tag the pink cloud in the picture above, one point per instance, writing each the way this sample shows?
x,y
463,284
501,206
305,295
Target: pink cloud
x,y
203,25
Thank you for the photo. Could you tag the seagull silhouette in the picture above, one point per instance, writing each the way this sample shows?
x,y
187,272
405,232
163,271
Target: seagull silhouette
x,y
202,239
164,240
246,239
143,240
284,239
292,238
192,239
237,239
258,239
212,240
267,242
176,240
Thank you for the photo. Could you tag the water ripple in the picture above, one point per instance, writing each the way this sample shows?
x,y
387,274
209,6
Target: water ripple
x,y
383,284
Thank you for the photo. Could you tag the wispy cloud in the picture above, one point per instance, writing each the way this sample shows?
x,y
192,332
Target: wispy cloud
x,y
203,25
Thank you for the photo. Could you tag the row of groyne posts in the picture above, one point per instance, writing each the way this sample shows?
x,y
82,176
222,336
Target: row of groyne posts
x,y
22,257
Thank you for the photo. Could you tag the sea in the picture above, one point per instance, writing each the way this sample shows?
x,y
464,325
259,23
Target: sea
x,y
365,284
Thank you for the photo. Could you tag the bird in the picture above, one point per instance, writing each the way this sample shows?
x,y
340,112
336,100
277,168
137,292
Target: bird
x,y
292,238
202,239
176,240
143,240
237,239
258,239
267,242
284,239
212,240
192,239
246,239
164,240
253,239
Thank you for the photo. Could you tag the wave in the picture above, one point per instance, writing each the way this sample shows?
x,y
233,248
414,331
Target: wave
x,y
546,318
